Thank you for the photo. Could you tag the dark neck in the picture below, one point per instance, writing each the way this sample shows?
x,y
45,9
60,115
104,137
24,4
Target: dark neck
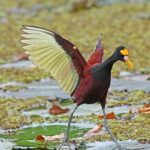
x,y
108,63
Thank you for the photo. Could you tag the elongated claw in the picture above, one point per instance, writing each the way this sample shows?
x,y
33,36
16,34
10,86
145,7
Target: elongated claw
x,y
123,148
120,148
82,146
66,141
66,144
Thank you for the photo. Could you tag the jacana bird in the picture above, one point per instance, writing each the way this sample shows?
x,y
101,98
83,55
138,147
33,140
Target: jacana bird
x,y
86,81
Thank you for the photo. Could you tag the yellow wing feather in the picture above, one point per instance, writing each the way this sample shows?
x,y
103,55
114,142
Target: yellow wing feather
x,y
45,52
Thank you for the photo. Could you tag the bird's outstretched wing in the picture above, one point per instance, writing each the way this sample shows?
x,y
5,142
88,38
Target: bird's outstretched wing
x,y
54,54
97,56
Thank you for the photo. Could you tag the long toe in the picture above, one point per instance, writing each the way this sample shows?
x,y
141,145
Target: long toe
x,y
65,145
120,148
82,146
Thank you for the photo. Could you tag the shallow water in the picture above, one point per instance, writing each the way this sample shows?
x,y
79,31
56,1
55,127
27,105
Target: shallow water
x,y
45,87
109,145
79,125
122,84
81,111
19,64
6,144
49,87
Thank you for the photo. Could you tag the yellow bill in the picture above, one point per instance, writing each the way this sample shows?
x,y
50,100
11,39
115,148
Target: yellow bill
x,y
128,61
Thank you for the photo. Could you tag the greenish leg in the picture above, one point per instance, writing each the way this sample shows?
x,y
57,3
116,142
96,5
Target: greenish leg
x,y
66,139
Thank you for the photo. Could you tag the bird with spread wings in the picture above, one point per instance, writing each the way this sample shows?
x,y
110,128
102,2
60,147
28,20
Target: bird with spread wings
x,y
86,81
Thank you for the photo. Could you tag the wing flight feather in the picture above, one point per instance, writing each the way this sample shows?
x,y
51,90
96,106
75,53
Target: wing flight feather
x,y
54,54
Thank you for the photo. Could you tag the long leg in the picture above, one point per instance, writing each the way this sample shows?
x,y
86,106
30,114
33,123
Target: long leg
x,y
108,129
119,147
69,122
110,133
66,139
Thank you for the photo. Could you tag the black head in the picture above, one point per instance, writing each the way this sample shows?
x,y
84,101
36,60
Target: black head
x,y
122,53
117,54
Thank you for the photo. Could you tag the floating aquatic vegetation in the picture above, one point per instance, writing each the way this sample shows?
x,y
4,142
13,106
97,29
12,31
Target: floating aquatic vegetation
x,y
95,131
123,127
12,88
27,137
119,98
45,139
11,116
110,115
21,75
127,30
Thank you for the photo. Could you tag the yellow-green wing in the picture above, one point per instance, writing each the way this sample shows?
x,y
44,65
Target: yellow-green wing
x,y
54,54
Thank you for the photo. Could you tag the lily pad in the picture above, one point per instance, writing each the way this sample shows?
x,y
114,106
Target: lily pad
x,y
26,137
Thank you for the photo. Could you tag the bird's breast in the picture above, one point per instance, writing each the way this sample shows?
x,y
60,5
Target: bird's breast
x,y
101,75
